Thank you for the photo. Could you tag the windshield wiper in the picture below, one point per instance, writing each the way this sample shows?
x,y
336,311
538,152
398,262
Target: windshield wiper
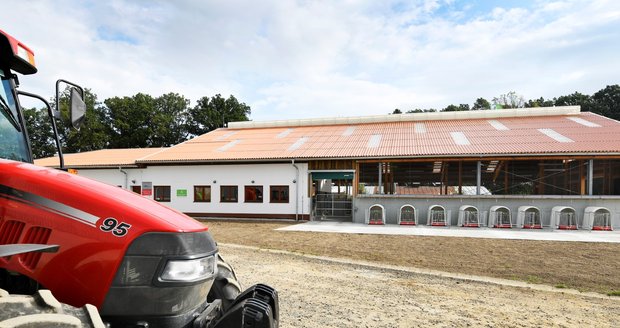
x,y
8,114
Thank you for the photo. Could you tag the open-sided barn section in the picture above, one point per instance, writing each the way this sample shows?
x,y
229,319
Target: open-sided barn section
x,y
527,168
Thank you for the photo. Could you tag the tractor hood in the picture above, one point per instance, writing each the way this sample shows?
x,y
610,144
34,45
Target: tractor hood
x,y
90,201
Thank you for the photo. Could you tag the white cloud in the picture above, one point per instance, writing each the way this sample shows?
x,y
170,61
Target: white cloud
x,y
295,59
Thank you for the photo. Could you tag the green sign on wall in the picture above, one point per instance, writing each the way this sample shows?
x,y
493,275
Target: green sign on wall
x,y
181,192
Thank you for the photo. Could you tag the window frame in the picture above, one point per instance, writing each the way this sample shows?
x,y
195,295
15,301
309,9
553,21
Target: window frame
x,y
279,201
236,199
168,200
260,195
208,200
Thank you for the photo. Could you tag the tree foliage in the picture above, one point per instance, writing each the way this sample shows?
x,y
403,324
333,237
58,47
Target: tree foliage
x,y
540,102
481,104
212,113
454,108
509,100
607,102
40,132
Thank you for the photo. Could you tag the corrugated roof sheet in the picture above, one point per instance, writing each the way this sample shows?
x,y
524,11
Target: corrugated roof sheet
x,y
100,158
403,139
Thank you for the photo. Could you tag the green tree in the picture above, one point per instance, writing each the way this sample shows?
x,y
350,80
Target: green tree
x,y
454,108
212,113
575,99
169,120
130,120
40,133
540,102
481,104
420,110
397,111
509,100
607,102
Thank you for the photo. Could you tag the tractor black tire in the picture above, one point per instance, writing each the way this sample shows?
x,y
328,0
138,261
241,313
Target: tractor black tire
x,y
43,310
225,287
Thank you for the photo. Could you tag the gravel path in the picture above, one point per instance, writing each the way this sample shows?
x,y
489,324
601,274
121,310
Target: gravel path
x,y
322,293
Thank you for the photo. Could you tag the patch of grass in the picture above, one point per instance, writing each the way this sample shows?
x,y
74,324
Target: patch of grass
x,y
614,293
561,286
533,279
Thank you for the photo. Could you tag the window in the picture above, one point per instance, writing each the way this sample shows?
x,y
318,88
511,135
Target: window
x,y
202,194
162,193
229,194
137,189
253,194
279,194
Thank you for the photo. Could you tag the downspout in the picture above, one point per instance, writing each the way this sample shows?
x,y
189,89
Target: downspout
x,y
125,173
296,190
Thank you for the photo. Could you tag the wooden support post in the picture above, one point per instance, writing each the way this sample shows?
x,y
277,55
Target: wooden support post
x,y
445,181
566,178
478,177
582,179
356,179
590,177
460,177
506,180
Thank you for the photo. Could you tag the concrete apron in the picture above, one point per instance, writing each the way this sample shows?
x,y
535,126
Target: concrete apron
x,y
495,233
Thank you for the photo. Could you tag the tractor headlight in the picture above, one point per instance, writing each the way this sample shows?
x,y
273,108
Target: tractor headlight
x,y
189,270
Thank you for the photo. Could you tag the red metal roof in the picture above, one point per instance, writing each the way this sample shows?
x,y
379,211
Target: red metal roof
x,y
485,133
525,135
100,158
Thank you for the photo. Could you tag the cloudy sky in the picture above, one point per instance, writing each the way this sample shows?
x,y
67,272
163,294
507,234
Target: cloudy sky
x,y
304,59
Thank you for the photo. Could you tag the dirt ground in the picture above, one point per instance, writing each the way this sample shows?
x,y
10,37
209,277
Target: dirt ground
x,y
577,265
324,293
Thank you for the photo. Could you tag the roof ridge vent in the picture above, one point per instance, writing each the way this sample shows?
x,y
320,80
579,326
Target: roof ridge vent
x,y
434,116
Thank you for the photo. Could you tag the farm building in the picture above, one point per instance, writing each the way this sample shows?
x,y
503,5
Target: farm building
x,y
553,167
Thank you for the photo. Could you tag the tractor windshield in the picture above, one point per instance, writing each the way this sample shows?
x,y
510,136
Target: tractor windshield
x,y
12,136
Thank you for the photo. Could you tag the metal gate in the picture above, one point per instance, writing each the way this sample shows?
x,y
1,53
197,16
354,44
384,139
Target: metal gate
x,y
329,206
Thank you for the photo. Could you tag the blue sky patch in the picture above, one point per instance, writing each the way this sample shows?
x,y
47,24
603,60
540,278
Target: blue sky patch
x,y
108,34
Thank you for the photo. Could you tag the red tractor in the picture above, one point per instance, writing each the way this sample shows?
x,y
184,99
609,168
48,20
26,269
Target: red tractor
x,y
139,263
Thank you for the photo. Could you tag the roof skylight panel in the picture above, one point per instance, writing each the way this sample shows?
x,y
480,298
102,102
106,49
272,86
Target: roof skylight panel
x,y
551,133
584,122
228,145
284,133
348,131
498,125
374,141
459,138
298,143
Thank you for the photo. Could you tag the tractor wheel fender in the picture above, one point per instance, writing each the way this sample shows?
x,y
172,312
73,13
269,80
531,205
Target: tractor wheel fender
x,y
43,310
225,286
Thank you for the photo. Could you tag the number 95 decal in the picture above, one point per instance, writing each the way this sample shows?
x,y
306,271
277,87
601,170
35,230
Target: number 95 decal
x,y
118,229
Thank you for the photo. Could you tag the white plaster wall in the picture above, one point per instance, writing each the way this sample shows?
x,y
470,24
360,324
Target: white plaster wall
x,y
240,175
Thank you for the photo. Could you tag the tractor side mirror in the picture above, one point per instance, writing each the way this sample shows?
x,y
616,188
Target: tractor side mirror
x,y
77,107
77,112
